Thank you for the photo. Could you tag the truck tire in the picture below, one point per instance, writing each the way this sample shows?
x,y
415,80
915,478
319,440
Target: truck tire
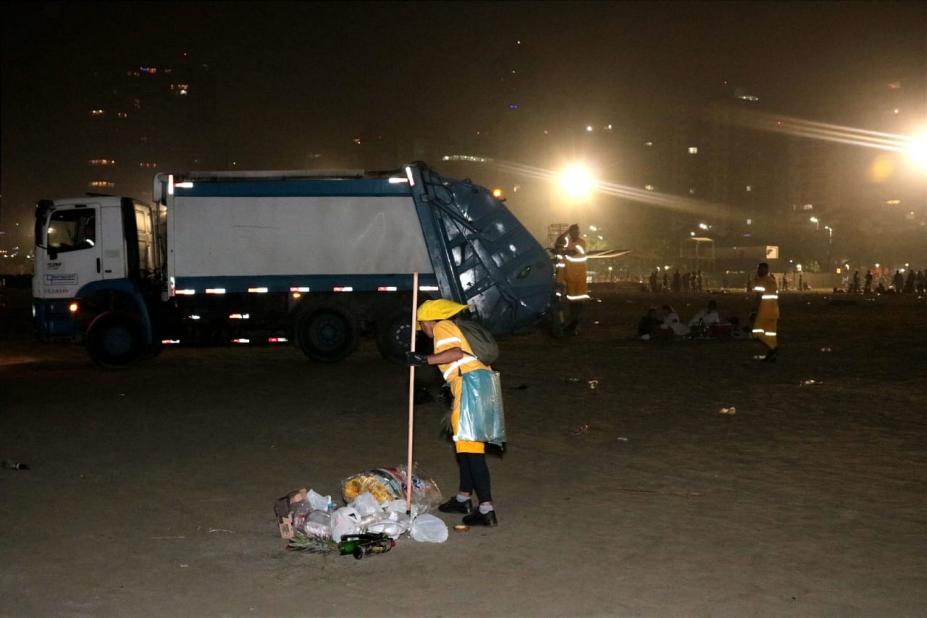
x,y
393,335
113,340
328,333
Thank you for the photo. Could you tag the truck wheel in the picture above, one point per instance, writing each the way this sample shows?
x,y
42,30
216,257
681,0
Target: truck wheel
x,y
113,340
328,334
393,335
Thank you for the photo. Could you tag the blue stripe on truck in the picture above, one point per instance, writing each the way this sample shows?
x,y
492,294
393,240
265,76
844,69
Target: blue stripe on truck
x,y
354,187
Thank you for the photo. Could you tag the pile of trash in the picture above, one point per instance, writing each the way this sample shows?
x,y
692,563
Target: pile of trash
x,y
373,517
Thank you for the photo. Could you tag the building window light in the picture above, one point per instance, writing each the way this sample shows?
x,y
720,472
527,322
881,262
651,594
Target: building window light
x,y
648,187
122,115
648,144
693,149
95,113
102,184
749,188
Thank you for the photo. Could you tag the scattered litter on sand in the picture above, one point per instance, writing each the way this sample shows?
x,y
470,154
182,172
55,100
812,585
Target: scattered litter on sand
x,y
211,530
809,382
827,349
14,465
729,411
622,438
572,380
593,384
373,518
580,430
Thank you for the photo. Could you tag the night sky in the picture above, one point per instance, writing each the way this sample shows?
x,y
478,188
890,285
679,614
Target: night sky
x,y
298,78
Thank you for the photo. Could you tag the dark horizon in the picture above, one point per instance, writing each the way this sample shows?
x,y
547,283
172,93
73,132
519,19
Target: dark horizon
x,y
290,81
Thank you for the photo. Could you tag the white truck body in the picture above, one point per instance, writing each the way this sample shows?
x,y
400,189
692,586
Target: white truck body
x,y
272,236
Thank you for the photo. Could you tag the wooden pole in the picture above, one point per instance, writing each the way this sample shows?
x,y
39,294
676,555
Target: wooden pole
x,y
411,394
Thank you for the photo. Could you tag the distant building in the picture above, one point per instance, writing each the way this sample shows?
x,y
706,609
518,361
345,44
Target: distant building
x,y
147,118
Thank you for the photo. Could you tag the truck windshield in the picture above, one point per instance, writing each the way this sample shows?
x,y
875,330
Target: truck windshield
x,y
71,230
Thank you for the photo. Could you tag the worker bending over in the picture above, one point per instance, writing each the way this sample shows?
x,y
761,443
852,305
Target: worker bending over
x,y
455,359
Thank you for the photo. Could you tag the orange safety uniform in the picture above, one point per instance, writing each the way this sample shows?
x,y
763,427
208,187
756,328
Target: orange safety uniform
x,y
447,336
767,316
571,268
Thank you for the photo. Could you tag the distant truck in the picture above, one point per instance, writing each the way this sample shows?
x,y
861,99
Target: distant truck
x,y
312,258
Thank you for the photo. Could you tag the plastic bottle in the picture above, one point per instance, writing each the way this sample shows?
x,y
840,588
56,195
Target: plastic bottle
x,y
330,509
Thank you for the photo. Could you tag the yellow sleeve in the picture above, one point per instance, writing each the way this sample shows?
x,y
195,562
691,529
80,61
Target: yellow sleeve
x,y
447,336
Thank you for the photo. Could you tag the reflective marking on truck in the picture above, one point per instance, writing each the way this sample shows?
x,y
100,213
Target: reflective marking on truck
x,y
185,292
276,340
257,290
215,290
299,289
65,279
241,340
343,289
428,288
193,317
239,316
387,288
170,341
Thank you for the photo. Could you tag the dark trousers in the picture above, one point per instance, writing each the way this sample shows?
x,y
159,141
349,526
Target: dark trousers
x,y
474,474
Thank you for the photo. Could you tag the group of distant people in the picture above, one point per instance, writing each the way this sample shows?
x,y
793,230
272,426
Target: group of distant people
x,y
664,323
762,325
685,282
914,282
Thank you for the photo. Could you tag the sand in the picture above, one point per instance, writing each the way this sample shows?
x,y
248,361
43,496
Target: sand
x,y
151,490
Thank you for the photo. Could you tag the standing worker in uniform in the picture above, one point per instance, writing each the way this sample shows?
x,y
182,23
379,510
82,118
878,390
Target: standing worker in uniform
x,y
570,249
765,327
455,358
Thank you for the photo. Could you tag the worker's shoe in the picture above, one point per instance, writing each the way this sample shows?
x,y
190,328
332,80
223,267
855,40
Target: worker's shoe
x,y
481,519
453,505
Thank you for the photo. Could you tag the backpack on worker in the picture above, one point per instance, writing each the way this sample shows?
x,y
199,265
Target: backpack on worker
x,y
481,341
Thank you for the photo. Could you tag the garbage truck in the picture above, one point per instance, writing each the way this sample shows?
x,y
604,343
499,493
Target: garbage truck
x,y
313,258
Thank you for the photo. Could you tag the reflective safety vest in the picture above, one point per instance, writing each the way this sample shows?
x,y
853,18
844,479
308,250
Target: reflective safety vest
x,y
571,268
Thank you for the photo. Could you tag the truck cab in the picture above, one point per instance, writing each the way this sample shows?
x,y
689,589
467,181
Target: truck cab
x,y
96,260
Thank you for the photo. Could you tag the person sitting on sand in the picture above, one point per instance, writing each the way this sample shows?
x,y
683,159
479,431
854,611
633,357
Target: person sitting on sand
x,y
672,323
649,324
702,320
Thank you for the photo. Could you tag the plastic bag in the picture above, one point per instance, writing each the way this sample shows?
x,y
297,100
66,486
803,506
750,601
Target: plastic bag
x,y
482,418
391,524
429,529
319,523
318,502
366,504
346,521
377,481
388,485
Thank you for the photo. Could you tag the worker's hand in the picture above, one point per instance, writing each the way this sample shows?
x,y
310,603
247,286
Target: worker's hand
x,y
416,359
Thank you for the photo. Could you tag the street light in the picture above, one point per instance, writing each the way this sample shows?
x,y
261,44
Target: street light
x,y
917,151
576,181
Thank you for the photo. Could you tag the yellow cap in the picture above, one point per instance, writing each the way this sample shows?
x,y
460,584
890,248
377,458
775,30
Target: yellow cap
x,y
440,309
